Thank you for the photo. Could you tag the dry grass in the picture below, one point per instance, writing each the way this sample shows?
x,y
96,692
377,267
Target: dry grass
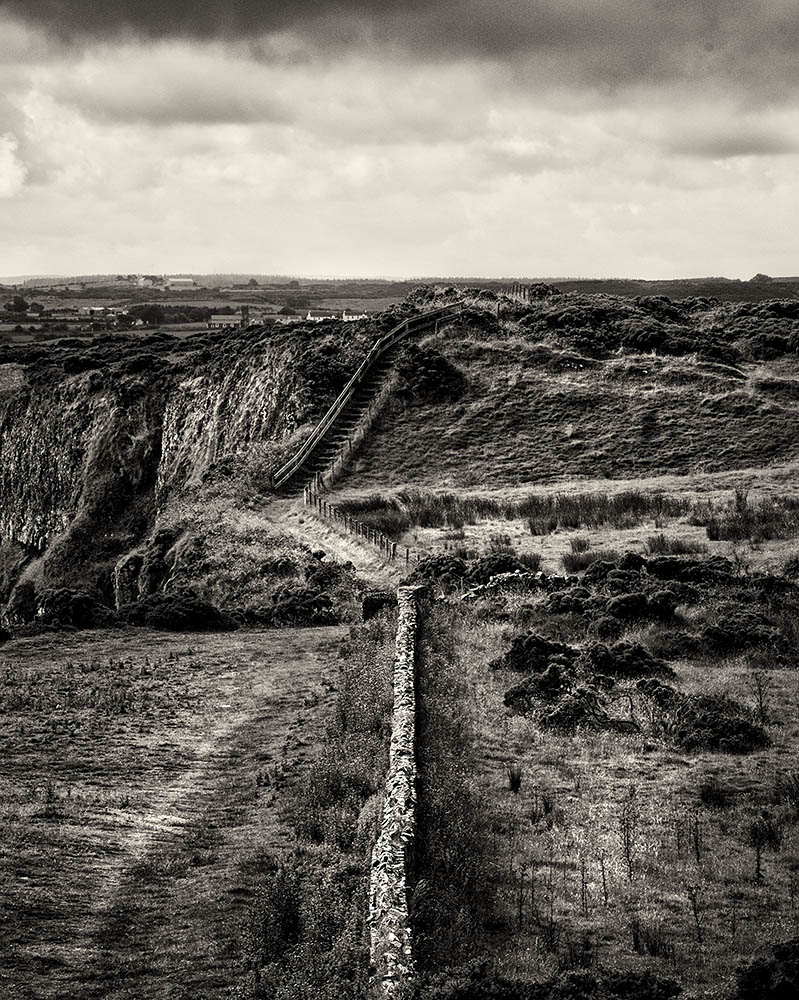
x,y
143,778
684,892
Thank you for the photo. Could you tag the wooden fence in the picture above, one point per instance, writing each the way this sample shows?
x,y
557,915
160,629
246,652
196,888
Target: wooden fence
x,y
313,497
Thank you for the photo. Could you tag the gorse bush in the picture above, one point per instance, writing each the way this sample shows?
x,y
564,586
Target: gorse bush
x,y
180,612
575,562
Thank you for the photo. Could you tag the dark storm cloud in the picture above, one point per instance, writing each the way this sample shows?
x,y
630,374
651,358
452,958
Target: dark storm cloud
x,y
635,36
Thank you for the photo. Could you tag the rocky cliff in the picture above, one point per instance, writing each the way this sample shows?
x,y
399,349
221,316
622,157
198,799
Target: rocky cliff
x,y
118,447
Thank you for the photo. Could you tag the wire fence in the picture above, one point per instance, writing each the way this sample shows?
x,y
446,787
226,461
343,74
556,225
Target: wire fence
x,y
390,550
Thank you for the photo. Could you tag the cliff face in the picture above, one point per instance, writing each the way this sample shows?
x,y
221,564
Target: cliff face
x,y
103,444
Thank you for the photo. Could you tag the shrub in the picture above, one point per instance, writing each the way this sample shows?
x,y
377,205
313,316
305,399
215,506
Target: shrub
x,y
445,570
181,611
573,600
424,373
537,689
500,562
575,562
531,653
774,976
715,569
703,722
737,628
579,545
713,794
299,604
63,606
622,659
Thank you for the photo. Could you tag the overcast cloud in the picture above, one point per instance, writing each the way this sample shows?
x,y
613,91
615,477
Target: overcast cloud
x,y
528,137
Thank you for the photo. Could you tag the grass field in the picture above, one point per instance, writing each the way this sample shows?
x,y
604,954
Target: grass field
x,y
145,780
598,850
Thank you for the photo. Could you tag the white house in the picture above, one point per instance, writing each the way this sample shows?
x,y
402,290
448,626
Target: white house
x,y
317,315
225,321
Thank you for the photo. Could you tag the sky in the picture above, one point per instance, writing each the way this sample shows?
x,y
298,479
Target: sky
x,y
528,138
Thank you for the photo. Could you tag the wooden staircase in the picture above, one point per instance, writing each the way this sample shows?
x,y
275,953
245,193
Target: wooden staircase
x,y
336,435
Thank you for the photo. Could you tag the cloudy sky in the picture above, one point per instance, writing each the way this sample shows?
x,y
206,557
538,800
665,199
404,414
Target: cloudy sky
x,y
648,138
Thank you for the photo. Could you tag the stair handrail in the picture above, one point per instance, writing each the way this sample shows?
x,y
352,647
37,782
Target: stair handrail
x,y
411,324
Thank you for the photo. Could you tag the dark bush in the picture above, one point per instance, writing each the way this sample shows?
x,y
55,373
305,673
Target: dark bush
x,y
574,600
531,653
622,659
63,606
549,685
737,628
299,604
279,566
774,976
374,601
76,363
632,562
579,708
704,722
713,794
448,571
494,564
424,373
716,569
181,611
628,606
600,569
607,628
21,606
621,581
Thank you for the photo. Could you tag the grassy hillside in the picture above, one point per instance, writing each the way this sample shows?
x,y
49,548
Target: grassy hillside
x,y
598,387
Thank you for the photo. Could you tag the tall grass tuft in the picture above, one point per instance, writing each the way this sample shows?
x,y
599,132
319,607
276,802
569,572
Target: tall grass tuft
x,y
661,545
544,513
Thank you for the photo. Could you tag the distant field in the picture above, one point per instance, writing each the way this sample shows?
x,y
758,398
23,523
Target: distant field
x,y
142,789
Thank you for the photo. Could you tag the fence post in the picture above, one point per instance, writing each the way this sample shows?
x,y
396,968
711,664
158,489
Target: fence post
x,y
393,551
407,555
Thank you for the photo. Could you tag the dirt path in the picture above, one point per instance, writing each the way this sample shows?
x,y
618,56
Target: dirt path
x,y
129,873
292,517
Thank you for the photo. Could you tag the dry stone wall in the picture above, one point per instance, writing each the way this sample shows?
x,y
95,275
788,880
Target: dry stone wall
x,y
391,951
